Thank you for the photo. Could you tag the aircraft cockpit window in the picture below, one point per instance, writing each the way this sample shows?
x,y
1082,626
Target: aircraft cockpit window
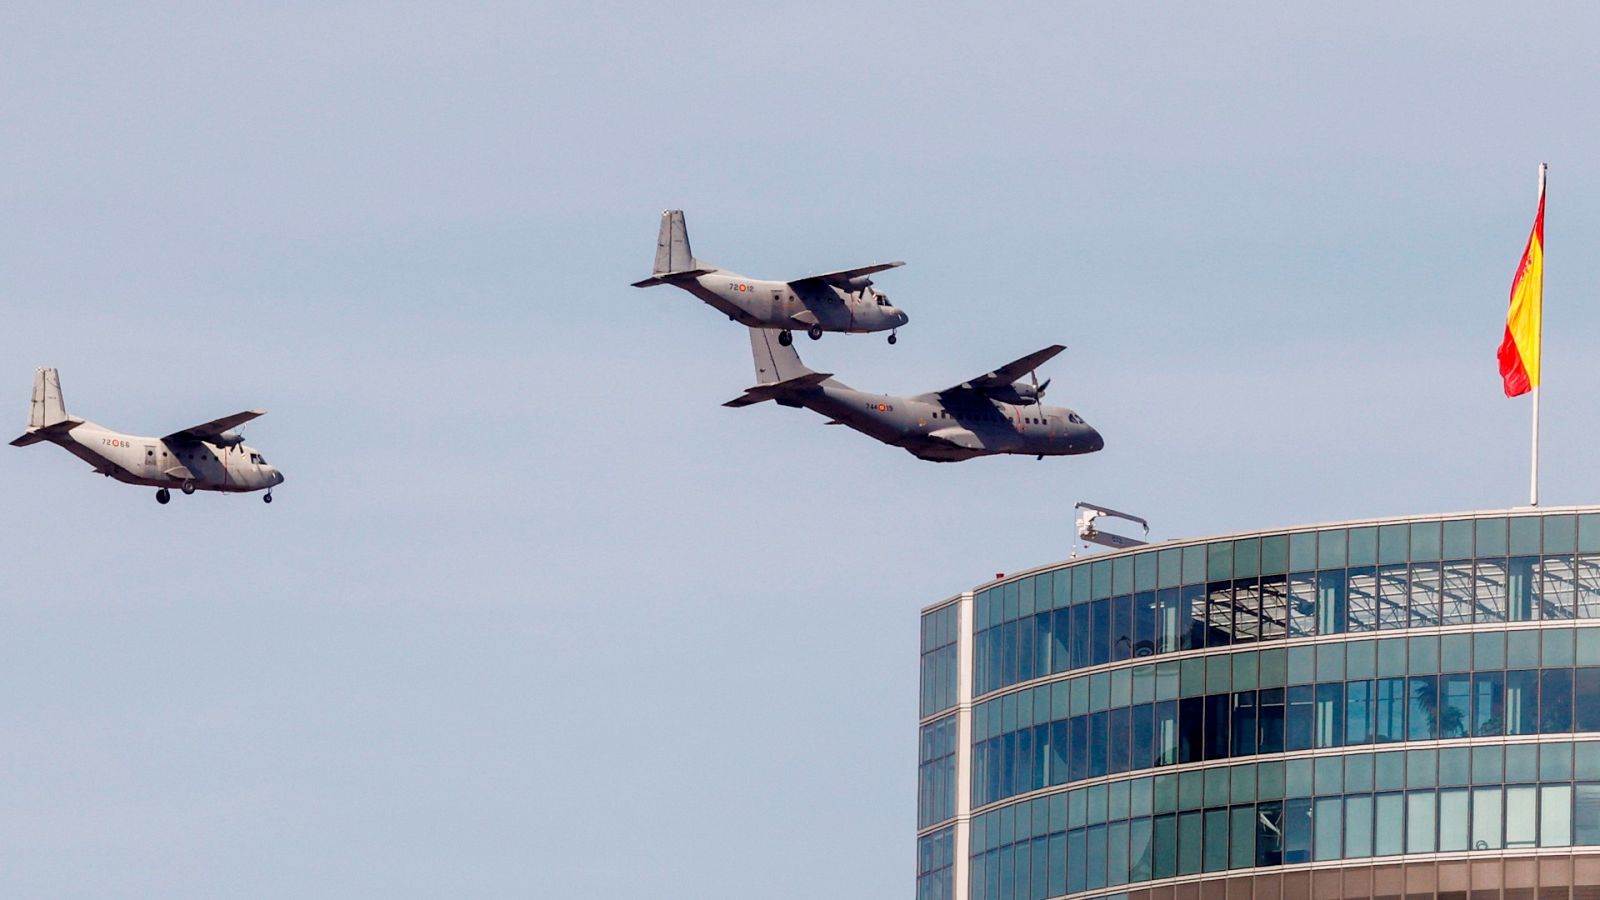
x,y
262,460
1074,418
883,299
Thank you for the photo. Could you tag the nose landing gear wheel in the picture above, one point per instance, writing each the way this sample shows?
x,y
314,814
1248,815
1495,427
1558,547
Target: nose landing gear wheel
x,y
892,339
785,337
163,496
188,487
266,498
814,332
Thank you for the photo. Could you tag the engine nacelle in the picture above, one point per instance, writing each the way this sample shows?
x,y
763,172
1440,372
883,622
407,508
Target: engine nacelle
x,y
858,283
228,439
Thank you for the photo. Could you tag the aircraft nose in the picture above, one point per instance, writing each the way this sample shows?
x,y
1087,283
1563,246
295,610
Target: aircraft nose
x,y
901,317
1096,442
277,477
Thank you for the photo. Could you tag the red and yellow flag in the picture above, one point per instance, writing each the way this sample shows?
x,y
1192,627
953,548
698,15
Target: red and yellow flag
x,y
1519,350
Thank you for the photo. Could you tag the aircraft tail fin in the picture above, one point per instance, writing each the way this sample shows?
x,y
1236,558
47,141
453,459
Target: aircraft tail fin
x,y
674,259
779,371
774,360
47,410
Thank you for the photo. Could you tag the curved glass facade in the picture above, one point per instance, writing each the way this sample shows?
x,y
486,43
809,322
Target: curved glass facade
x,y
1169,714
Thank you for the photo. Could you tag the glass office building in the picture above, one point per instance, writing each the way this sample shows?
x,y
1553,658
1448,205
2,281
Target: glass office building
x,y
1390,708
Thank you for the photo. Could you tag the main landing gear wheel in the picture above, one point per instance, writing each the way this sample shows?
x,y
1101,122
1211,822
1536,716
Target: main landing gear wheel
x,y
163,496
188,487
785,337
266,498
814,332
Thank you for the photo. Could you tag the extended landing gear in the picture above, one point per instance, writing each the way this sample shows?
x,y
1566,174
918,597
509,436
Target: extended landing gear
x,y
188,488
814,332
267,497
892,339
785,338
163,496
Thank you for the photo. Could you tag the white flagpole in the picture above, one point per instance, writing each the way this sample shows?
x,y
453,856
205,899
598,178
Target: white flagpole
x,y
1533,484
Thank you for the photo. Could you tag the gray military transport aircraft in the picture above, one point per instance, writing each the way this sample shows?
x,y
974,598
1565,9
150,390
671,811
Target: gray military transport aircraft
x,y
832,301
208,457
988,415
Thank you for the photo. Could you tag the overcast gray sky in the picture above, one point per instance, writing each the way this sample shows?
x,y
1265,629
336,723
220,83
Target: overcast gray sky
x,y
533,615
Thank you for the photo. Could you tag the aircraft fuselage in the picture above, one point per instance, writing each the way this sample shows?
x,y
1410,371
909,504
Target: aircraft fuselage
x,y
157,462
933,428
781,305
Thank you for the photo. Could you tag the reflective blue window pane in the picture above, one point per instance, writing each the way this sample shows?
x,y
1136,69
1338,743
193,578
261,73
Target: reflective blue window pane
x,y
1522,702
1358,713
1425,543
1555,701
1243,725
1297,830
1389,710
1301,719
1520,584
1491,537
1559,534
1420,822
1270,718
1393,543
1488,704
1141,851
1424,591
1422,719
1241,837
1329,821
1389,825
1557,584
1164,846
1357,826
1269,836
1487,818
1302,588
1586,815
1331,602
1216,840
1458,539
1454,821
1586,698
1455,593
1363,546
1490,590
1555,815
1455,705
1525,539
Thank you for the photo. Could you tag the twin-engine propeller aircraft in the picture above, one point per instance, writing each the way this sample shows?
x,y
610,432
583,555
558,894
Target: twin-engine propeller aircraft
x,y
208,457
988,415
832,301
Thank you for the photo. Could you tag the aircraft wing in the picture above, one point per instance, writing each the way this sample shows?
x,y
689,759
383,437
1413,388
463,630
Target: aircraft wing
x,y
211,430
843,275
1009,372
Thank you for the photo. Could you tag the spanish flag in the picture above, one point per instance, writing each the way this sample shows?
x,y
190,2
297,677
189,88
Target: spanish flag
x,y
1519,350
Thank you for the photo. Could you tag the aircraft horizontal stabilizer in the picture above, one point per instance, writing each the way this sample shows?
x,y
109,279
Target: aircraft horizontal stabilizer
x,y
672,277
764,392
35,435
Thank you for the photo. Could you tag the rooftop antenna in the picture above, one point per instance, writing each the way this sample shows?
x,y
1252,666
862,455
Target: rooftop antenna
x,y
1089,512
